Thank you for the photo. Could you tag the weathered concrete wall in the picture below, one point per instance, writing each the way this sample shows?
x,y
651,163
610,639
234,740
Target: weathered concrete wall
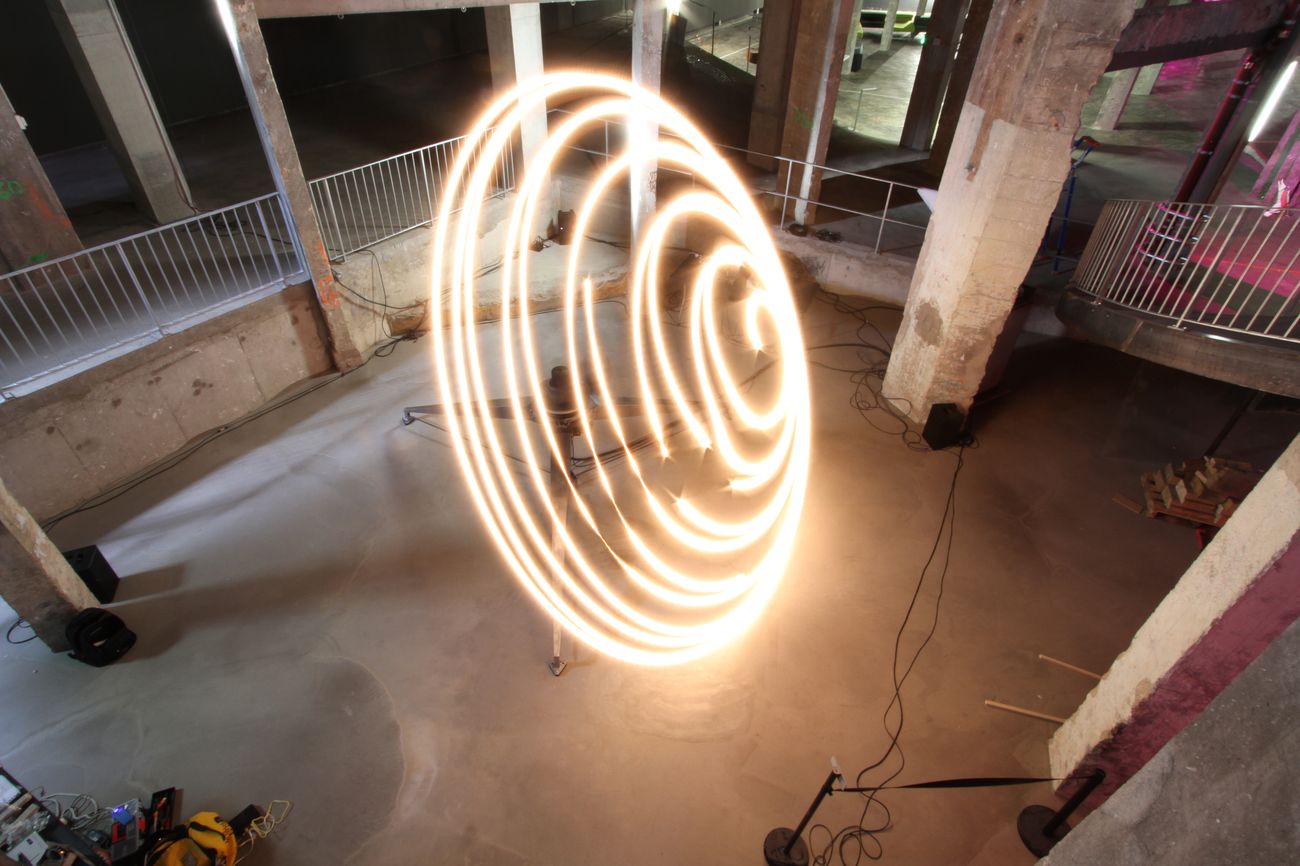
x,y
69,442
1239,594
1224,791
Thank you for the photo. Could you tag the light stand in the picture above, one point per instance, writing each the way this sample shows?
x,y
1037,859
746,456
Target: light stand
x,y
561,413
1041,827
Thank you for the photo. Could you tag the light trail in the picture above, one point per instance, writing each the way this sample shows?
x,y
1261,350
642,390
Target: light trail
x,y
641,575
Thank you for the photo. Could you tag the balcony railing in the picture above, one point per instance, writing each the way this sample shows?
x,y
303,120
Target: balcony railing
x,y
898,223
1230,270
361,206
67,314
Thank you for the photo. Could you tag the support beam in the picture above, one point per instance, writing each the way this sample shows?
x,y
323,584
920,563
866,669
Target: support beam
x,y
33,224
854,41
1146,79
887,33
1010,156
515,53
1240,593
314,8
101,51
35,579
1159,34
772,80
239,19
963,66
814,87
932,73
1115,99
647,70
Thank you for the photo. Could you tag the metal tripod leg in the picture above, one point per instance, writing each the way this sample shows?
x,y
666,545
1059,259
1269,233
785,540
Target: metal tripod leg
x,y
560,497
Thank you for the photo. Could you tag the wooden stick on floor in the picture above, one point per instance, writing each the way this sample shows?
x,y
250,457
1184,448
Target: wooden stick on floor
x,y
1069,667
1033,714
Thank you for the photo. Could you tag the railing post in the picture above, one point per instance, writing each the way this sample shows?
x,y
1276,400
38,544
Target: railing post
x,y
785,196
139,290
889,192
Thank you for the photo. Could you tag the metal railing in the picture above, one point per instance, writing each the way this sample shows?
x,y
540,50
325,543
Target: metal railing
x,y
361,206
1219,268
66,314
866,227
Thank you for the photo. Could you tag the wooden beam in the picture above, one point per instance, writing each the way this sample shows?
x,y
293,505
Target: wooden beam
x,y
1159,34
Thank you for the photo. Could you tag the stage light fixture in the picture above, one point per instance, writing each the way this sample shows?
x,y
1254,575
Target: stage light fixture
x,y
628,568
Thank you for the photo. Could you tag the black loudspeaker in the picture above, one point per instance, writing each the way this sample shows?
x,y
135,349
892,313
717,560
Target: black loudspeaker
x,y
564,221
945,426
856,65
94,571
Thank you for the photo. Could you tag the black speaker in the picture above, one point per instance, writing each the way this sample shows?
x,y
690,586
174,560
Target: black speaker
x,y
944,427
94,571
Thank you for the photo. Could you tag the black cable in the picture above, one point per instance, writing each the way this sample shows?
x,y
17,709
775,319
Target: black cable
x,y
865,839
17,624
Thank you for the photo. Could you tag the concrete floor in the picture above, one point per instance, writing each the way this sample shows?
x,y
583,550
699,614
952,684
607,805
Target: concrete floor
x,y
322,619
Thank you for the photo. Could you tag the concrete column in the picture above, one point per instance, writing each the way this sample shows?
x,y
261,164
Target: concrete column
x,y
102,54
1010,156
647,69
772,80
33,224
814,86
515,52
35,579
963,66
1240,593
239,19
1115,99
932,74
1146,79
854,39
887,35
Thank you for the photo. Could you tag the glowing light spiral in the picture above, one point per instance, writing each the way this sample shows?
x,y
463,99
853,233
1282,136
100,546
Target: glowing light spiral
x,y
634,571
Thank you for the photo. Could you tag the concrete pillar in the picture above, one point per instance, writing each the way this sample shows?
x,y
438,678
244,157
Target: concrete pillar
x,y
932,72
239,20
1010,156
101,52
515,52
35,579
963,66
1236,598
33,224
854,38
647,69
887,34
772,80
1115,99
1146,79
814,86
1283,164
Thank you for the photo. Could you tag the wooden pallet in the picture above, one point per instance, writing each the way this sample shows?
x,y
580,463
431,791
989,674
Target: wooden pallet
x,y
1204,492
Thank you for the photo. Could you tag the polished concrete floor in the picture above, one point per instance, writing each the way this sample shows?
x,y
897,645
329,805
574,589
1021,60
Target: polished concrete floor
x,y
322,619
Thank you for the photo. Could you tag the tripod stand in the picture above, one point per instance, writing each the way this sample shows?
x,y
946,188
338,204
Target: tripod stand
x,y
560,411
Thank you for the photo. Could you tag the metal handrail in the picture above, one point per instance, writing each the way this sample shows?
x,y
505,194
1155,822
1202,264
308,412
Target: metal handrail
x,y
63,315
364,205
1221,268
787,200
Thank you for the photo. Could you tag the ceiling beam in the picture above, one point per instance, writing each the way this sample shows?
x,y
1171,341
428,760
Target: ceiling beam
x,y
311,8
1158,34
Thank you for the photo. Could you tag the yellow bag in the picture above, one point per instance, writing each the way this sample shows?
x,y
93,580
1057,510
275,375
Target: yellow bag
x,y
205,841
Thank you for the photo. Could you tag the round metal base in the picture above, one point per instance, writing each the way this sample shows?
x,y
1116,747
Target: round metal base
x,y
556,666
774,849
1031,822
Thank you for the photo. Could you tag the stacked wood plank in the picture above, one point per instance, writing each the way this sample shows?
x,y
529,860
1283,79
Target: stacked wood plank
x,y
1205,491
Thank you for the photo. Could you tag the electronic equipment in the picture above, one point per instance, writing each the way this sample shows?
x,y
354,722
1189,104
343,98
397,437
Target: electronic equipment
x,y
94,571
